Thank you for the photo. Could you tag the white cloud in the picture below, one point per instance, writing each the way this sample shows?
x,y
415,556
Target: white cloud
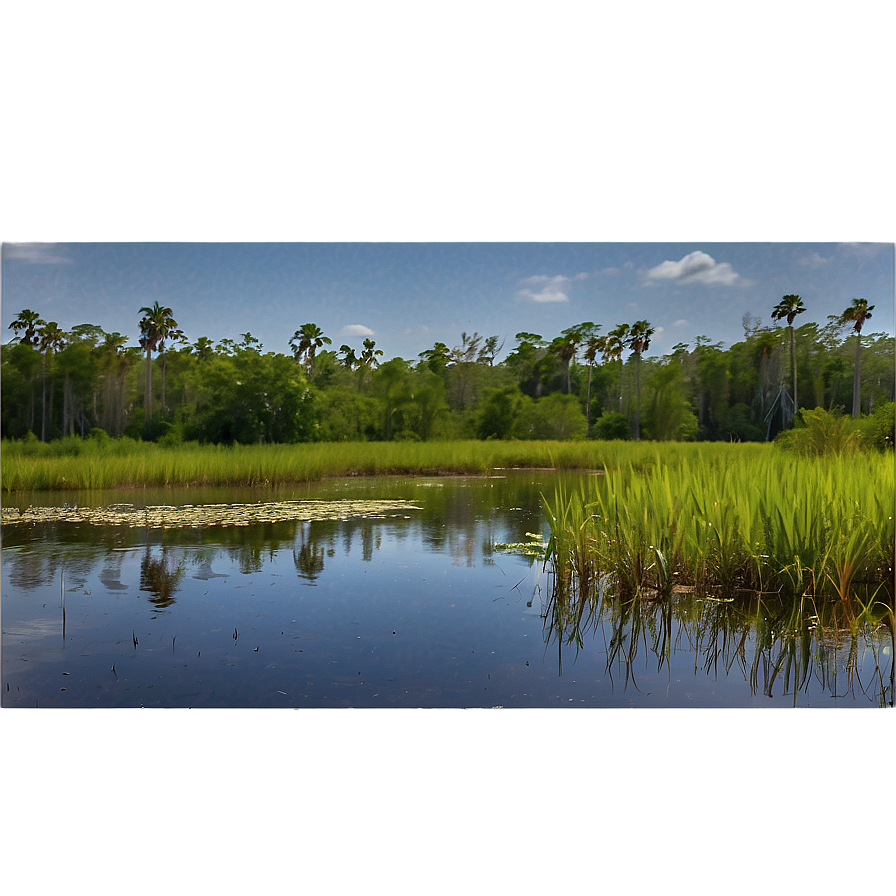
x,y
553,289
36,253
862,250
582,276
356,330
608,271
814,260
697,267
680,323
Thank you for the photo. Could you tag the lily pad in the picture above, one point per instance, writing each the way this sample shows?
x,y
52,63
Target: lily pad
x,y
170,517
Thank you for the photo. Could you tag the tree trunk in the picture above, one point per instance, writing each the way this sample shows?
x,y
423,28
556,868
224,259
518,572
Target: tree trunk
x,y
148,398
855,380
164,406
588,403
796,404
43,399
638,398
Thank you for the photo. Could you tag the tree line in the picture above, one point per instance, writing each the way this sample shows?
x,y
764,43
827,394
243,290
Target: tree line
x,y
581,383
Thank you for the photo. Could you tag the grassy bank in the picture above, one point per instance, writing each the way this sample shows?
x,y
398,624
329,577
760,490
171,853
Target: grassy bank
x,y
103,464
760,521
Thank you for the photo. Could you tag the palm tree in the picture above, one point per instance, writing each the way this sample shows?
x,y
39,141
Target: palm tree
x,y
857,313
306,341
639,341
30,322
790,307
617,340
349,358
368,360
594,345
156,326
565,347
51,340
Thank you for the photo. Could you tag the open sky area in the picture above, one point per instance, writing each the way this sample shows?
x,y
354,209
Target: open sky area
x,y
526,174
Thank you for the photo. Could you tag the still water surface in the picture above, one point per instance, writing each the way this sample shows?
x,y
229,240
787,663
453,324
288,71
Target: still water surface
x,y
415,608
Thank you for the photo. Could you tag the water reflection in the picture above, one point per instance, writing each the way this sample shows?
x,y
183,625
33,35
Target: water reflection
x,y
780,647
160,575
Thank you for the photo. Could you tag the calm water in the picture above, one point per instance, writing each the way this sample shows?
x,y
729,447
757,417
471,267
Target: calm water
x,y
415,609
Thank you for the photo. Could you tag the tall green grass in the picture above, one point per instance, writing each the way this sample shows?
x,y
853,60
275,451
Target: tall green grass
x,y
763,521
74,463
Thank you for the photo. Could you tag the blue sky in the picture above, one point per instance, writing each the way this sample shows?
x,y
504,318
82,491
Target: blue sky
x,y
407,296
591,124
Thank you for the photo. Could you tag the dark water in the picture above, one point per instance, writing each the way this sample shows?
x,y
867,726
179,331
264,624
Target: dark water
x,y
415,609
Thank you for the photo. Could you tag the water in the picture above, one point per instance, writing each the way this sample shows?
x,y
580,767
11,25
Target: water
x,y
412,609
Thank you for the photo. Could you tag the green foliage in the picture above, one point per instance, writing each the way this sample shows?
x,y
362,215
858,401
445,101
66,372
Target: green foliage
x,y
499,413
820,432
612,425
555,416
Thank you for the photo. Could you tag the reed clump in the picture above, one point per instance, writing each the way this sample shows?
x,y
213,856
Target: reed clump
x,y
767,521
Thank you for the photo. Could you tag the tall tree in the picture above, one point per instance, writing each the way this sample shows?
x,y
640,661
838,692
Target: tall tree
x,y
156,325
31,323
790,307
617,340
639,341
306,341
51,340
565,347
594,346
857,313
368,360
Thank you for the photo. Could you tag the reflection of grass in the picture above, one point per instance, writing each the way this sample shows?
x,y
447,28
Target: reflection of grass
x,y
88,464
779,645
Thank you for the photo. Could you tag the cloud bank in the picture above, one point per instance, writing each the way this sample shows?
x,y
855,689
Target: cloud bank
x,y
553,289
356,330
698,267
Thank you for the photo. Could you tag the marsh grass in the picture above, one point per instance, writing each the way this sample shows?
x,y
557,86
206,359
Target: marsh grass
x,y
74,463
755,521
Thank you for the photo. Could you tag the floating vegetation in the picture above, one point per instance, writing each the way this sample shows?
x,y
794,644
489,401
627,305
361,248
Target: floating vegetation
x,y
190,515
535,547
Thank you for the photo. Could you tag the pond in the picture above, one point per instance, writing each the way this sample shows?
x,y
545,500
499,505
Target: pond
x,y
433,600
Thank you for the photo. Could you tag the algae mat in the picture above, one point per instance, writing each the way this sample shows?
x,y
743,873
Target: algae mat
x,y
191,515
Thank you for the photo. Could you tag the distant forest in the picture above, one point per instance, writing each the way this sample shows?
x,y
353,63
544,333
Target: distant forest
x,y
585,382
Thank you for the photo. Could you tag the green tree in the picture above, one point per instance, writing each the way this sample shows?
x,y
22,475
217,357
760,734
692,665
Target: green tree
x,y
790,307
51,340
156,325
857,313
31,323
306,341
638,341
595,345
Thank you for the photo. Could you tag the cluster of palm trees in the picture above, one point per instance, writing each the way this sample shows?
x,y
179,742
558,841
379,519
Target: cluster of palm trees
x,y
633,337
857,313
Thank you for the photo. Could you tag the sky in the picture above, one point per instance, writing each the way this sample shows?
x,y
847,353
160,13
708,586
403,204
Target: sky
x,y
616,145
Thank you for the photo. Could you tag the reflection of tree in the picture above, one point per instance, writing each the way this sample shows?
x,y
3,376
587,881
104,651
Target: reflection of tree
x,y
308,554
160,576
781,647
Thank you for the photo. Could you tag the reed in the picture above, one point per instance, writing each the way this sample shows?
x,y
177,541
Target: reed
x,y
765,521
